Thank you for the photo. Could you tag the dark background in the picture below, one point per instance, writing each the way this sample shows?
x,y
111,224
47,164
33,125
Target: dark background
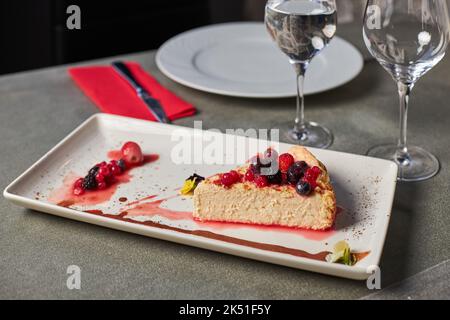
x,y
33,33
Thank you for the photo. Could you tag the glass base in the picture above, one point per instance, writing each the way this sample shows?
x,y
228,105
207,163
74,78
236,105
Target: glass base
x,y
418,166
313,135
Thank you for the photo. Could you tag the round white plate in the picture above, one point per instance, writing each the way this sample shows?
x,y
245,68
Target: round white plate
x,y
240,59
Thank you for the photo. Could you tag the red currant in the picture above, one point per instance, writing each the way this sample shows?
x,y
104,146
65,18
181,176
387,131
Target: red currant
x,y
230,178
101,185
104,171
115,170
311,175
78,191
78,183
261,181
236,176
101,164
249,175
99,177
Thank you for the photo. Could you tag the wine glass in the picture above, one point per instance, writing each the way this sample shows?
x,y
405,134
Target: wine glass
x,y
302,29
408,38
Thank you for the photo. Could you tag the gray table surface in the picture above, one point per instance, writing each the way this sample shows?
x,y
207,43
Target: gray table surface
x,y
39,108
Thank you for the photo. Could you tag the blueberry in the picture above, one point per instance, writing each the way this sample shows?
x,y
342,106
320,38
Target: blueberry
x,y
121,164
303,188
301,164
294,174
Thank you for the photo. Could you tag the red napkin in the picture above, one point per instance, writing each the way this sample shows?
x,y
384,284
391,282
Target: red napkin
x,y
114,95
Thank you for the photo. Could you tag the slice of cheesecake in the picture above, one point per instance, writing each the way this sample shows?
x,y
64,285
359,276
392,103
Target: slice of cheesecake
x,y
300,197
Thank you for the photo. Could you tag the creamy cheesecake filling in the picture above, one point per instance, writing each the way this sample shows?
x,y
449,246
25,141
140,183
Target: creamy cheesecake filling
x,y
268,206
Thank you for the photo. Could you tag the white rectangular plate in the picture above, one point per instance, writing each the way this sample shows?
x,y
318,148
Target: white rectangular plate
x,y
364,187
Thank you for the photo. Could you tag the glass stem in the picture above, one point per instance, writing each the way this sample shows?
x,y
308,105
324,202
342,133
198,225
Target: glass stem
x,y
402,155
300,127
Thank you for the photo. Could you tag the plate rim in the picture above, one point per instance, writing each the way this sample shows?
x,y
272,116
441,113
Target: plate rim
x,y
228,93
354,272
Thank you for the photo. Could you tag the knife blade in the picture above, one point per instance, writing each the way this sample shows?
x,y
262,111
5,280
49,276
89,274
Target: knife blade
x,y
152,103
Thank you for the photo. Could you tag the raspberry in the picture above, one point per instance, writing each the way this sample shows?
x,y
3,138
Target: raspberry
x,y
261,181
312,174
249,175
317,171
132,153
309,176
78,183
285,161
